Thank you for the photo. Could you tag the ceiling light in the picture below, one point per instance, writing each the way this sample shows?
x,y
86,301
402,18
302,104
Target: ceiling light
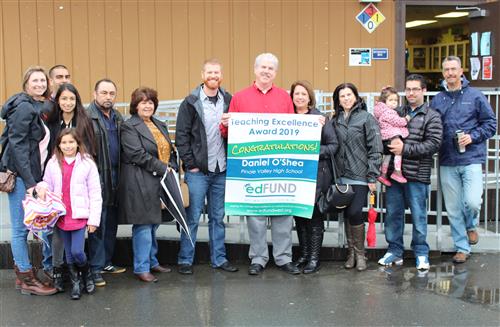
x,y
415,23
453,14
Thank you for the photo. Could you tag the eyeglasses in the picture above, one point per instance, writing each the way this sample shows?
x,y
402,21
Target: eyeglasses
x,y
413,90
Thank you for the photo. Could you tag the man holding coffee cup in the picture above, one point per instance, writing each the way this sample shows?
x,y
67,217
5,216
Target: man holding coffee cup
x,y
468,122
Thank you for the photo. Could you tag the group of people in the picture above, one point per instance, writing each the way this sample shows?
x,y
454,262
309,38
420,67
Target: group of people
x,y
108,170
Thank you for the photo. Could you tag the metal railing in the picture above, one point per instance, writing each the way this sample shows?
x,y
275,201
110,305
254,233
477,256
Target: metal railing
x,y
439,235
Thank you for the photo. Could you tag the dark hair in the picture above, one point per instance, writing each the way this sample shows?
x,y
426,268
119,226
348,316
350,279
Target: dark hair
x,y
83,122
51,70
29,72
386,92
336,100
104,80
310,92
417,77
73,132
141,94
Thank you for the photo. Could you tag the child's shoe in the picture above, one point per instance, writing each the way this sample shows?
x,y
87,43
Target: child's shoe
x,y
383,179
398,177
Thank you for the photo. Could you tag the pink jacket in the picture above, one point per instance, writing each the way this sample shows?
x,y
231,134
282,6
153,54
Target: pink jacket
x,y
85,188
391,124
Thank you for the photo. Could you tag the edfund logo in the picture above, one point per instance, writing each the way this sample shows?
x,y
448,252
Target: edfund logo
x,y
270,189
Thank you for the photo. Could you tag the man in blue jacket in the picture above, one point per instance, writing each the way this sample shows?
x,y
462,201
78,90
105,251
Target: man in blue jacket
x,y
463,109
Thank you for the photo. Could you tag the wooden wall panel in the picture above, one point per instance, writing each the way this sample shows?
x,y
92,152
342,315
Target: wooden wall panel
x,y
162,43
132,51
239,74
97,47
146,44
289,56
80,44
46,39
12,48
180,40
321,49
337,45
62,33
196,17
164,49
305,40
114,48
29,34
221,33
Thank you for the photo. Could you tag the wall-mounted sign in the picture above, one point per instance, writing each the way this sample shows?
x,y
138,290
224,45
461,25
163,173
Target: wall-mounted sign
x,y
360,57
475,67
370,17
380,54
487,68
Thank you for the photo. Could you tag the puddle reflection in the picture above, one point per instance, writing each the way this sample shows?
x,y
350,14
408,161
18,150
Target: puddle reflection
x,y
446,279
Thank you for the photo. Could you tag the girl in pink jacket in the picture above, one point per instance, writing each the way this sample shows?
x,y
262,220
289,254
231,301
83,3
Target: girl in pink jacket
x,y
72,173
391,126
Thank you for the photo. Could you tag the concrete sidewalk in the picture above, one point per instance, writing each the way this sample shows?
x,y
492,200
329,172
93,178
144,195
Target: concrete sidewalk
x,y
448,295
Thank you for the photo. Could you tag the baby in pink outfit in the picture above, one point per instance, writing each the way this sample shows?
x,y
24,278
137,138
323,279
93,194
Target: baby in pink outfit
x,y
391,126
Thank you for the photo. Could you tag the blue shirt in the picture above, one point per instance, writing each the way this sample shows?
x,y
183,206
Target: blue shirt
x,y
112,131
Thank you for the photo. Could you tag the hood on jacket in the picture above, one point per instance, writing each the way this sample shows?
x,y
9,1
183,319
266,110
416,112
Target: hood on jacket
x,y
379,109
13,102
465,83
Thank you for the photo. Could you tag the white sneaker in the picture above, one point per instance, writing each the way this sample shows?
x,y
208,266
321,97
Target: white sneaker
x,y
389,259
423,262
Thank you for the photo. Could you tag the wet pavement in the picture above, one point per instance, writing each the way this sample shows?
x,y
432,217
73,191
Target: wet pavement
x,y
447,295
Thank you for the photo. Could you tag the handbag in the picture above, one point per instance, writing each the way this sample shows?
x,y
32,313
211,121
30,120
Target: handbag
x,y
338,196
7,181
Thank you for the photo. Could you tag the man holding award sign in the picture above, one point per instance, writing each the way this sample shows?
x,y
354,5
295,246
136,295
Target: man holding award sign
x,y
271,165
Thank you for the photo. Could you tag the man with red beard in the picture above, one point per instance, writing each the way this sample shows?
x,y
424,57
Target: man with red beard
x,y
205,166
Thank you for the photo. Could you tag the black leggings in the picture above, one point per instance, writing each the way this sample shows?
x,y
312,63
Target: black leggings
x,y
354,212
315,221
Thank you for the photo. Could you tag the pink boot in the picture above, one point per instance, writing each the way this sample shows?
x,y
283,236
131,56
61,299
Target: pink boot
x,y
398,177
383,179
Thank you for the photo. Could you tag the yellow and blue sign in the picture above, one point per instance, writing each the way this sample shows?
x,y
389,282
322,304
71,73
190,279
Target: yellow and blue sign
x,y
370,17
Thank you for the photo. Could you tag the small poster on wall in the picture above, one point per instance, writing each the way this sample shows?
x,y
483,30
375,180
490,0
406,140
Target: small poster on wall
x,y
360,56
488,68
473,44
485,43
475,67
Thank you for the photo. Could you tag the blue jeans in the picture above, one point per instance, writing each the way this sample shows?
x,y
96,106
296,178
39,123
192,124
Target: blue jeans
x,y
19,244
102,241
211,186
74,246
145,247
398,198
462,191
47,250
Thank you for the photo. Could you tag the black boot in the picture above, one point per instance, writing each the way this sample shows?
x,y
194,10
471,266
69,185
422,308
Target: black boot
x,y
57,272
304,240
74,276
316,243
88,278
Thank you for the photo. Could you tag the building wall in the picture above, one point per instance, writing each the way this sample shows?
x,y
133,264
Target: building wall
x,y
163,43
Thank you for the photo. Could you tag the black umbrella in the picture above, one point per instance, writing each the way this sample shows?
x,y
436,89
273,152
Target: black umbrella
x,y
171,197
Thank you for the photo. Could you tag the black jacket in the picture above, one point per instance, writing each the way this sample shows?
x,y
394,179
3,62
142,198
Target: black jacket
x,y
141,172
190,134
103,160
21,137
423,142
328,147
360,145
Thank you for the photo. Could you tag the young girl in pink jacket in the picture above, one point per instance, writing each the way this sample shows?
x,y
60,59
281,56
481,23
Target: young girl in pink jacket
x,y
391,126
72,173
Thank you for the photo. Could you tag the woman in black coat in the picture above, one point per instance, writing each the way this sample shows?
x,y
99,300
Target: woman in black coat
x,y
147,153
310,231
24,150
